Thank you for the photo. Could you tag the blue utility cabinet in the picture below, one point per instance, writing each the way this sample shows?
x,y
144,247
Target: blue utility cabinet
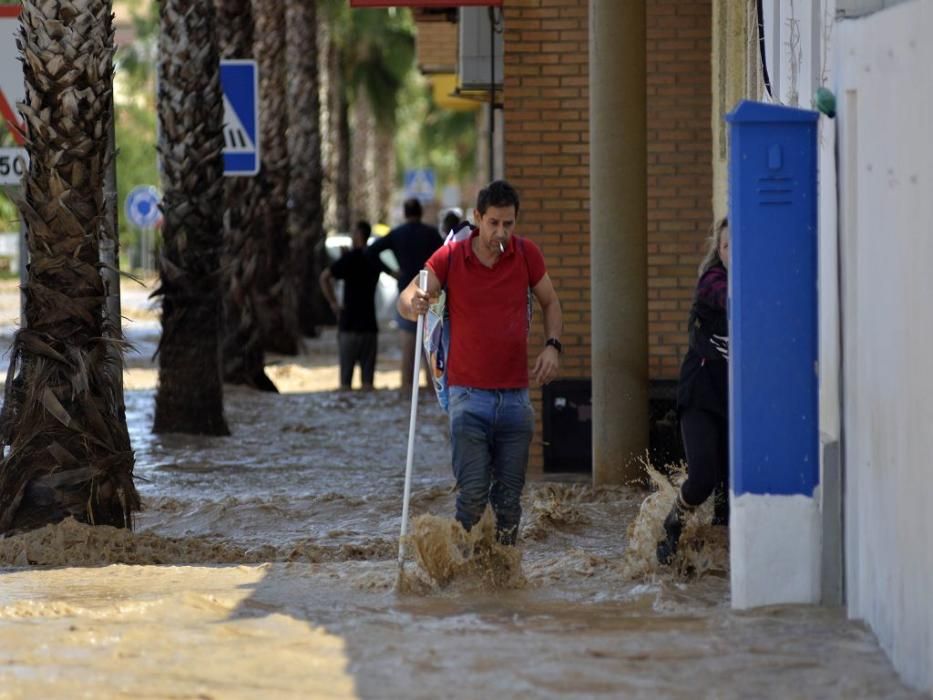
x,y
773,381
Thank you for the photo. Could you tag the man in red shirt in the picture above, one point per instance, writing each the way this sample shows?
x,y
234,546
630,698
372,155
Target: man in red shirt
x,y
487,278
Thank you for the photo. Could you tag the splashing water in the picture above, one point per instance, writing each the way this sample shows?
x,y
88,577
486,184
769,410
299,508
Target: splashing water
x,y
703,549
449,556
553,506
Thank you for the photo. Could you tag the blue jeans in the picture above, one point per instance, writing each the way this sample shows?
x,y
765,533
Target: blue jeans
x,y
490,434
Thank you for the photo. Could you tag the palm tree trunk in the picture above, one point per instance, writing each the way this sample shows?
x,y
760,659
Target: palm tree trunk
x,y
305,215
244,255
384,157
344,158
280,307
190,394
326,49
363,176
65,446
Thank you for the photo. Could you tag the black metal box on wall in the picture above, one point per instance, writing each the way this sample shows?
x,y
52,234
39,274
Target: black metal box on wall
x,y
567,419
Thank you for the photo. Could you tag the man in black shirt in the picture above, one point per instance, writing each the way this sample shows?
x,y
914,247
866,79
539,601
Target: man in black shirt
x,y
357,327
413,243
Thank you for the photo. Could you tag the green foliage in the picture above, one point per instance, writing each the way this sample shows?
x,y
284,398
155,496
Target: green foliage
x,y
9,215
431,137
377,53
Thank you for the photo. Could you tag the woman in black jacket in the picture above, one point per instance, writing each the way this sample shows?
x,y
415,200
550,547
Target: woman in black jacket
x,y
702,396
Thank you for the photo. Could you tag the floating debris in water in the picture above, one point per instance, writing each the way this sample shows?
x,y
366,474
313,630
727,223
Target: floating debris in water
x,y
70,543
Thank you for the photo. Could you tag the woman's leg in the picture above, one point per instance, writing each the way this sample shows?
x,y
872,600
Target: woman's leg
x,y
701,432
721,510
702,444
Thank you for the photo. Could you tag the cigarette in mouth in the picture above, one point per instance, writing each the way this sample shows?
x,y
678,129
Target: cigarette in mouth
x,y
501,247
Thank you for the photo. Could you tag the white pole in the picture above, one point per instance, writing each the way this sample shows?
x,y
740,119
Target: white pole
x,y
416,381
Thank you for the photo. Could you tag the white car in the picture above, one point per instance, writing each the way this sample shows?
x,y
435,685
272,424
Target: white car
x,y
386,289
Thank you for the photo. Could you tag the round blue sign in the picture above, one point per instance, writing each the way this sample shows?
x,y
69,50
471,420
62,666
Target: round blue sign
x,y
142,206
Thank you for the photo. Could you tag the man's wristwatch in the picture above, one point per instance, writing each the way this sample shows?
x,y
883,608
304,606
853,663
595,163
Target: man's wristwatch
x,y
554,343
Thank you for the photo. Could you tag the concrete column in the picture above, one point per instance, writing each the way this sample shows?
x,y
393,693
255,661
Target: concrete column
x,y
618,247
735,43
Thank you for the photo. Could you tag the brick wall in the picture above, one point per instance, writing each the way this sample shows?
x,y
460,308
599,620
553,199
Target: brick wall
x,y
547,157
437,46
680,175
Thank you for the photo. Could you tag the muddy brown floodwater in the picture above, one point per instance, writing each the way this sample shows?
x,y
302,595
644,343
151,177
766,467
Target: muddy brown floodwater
x,y
263,566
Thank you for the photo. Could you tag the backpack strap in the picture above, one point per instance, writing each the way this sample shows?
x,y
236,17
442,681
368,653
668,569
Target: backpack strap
x,y
521,247
450,254
531,307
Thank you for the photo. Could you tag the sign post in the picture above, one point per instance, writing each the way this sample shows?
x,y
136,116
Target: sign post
x,y
240,82
13,165
13,161
142,210
12,86
420,184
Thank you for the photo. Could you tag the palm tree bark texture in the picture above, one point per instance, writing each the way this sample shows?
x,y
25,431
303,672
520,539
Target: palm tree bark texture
x,y
280,310
65,446
244,255
189,398
305,212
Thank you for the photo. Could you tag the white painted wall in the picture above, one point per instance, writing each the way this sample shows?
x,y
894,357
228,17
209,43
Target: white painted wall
x,y
813,38
787,570
882,66
882,227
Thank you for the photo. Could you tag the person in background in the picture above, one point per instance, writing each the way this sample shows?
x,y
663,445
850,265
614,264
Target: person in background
x,y
702,396
412,243
357,329
487,277
451,222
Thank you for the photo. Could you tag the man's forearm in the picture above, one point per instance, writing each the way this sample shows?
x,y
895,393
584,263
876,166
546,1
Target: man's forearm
x,y
404,303
553,320
327,288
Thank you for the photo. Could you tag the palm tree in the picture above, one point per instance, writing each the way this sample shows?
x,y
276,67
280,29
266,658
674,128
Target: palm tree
x,y
244,255
341,132
189,398
65,446
376,51
280,310
326,62
305,214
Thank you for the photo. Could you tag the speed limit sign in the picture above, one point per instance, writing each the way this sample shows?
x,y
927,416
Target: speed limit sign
x,y
13,165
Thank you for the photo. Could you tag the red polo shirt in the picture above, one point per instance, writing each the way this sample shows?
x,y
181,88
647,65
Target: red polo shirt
x,y
488,312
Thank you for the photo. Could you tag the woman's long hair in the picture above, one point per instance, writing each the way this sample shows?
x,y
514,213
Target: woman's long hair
x,y
712,242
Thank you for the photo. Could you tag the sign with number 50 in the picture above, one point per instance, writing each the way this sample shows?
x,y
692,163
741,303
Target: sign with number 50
x,y
13,165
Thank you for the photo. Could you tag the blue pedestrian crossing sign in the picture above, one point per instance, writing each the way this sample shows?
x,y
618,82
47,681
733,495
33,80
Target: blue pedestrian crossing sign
x,y
420,184
142,206
240,82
